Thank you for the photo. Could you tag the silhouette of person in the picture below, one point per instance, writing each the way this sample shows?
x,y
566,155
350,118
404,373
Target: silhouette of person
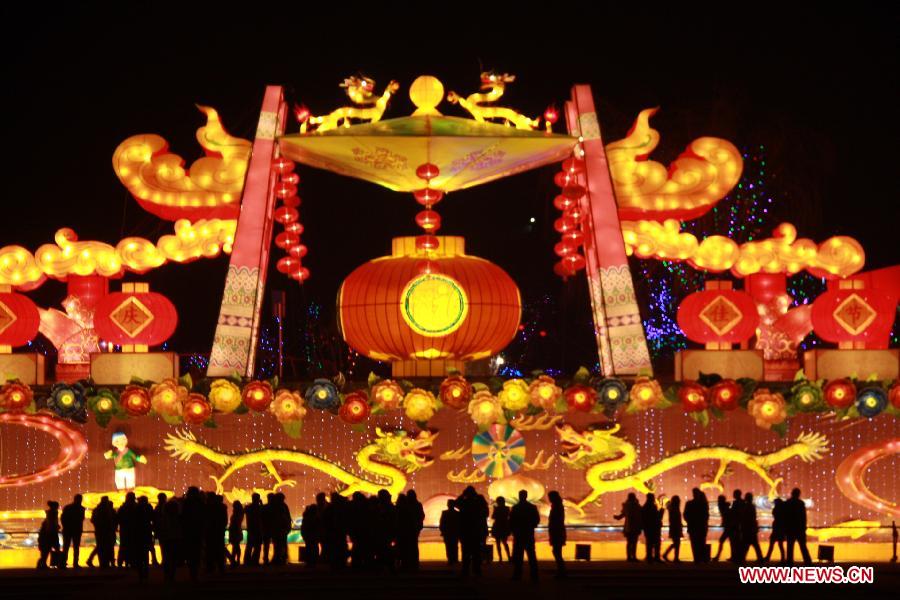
x,y
235,533
48,535
631,529
311,528
158,514
143,537
894,535
728,517
696,515
449,528
556,529
269,519
216,515
651,520
473,514
777,536
523,519
334,520
384,531
359,529
500,528
738,549
72,520
795,527
254,530
283,523
103,518
126,517
171,538
749,529
675,528
410,520
193,521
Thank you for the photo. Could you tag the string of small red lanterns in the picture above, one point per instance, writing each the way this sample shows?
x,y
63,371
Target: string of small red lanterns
x,y
288,215
570,203
429,220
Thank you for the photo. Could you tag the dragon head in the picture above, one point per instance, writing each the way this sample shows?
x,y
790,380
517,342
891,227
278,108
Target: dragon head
x,y
359,87
491,79
404,451
583,448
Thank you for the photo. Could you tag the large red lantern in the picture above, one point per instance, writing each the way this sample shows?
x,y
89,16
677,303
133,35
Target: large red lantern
x,y
19,319
855,317
461,308
718,316
135,316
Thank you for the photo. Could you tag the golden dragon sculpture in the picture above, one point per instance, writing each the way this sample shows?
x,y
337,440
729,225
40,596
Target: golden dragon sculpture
x,y
602,454
493,85
386,460
361,91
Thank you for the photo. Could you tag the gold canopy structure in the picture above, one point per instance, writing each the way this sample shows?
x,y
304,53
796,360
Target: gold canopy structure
x,y
468,152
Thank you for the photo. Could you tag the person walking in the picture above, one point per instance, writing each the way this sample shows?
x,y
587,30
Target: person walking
x,y
72,520
254,530
500,528
103,519
311,529
449,528
795,527
235,533
696,515
523,520
651,521
749,529
631,512
675,530
727,515
48,535
556,529
777,536
158,516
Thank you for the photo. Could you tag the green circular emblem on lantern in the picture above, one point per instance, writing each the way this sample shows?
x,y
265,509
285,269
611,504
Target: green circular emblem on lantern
x,y
434,305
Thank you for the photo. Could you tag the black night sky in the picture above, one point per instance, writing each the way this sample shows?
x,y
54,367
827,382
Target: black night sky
x,y
817,88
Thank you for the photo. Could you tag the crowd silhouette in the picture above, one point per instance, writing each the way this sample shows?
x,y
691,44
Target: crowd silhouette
x,y
376,533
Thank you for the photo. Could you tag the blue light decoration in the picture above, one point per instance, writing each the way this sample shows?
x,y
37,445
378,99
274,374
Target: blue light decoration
x,y
267,351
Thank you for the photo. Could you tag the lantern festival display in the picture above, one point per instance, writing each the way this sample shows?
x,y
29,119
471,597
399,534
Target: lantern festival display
x,y
427,316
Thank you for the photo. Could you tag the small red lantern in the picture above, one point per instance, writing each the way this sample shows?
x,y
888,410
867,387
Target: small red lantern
x,y
286,239
19,319
428,196
301,113
292,202
301,274
840,393
257,395
197,409
692,396
135,316
284,190
427,171
286,264
283,165
295,228
426,242
563,203
355,408
581,397
290,178
298,251
574,261
135,400
576,213
574,191
564,179
285,215
725,394
564,249
551,115
573,165
428,220
574,237
564,224
563,270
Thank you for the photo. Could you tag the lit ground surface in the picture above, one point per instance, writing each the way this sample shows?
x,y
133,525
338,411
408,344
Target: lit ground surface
x,y
436,582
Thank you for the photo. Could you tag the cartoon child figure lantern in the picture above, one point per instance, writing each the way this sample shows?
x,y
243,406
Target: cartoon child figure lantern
x,y
124,459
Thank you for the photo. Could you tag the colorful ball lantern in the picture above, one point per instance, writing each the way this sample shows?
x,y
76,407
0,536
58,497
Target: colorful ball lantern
x,y
462,308
19,320
135,316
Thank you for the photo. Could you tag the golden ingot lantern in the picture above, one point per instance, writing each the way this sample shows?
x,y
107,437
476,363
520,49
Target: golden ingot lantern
x,y
428,316
467,152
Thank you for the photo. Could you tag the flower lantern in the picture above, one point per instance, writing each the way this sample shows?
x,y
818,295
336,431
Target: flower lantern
x,y
67,400
428,312
807,397
840,393
387,394
544,392
287,407
168,397
135,317
725,394
15,396
224,395
257,395
419,405
581,397
197,409
767,408
322,395
514,396
872,400
456,392
645,393
485,409
355,408
692,396
135,400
